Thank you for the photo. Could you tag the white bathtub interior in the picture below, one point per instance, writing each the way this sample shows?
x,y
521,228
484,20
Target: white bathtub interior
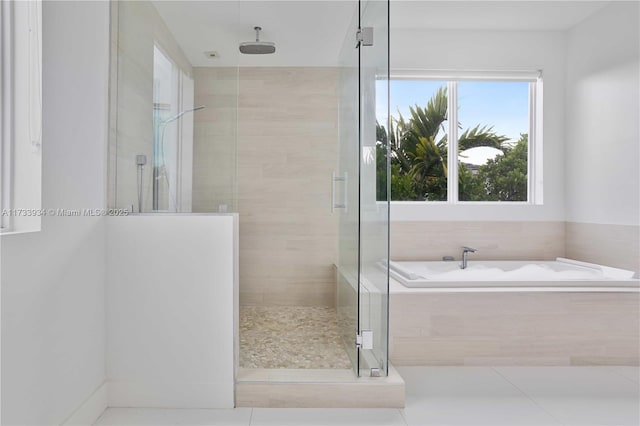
x,y
565,272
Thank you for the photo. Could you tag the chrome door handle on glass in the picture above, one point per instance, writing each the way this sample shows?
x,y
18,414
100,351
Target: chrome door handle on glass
x,y
334,204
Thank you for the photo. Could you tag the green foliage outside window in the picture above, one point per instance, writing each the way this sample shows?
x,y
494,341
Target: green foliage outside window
x,y
418,148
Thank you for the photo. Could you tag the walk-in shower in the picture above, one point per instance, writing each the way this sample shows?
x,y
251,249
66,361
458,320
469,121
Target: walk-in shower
x,y
278,132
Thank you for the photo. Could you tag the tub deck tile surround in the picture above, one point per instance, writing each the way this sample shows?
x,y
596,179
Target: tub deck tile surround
x,y
513,328
611,245
494,240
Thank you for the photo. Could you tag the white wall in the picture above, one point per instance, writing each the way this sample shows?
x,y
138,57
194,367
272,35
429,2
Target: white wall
x,y
171,297
53,319
493,50
603,116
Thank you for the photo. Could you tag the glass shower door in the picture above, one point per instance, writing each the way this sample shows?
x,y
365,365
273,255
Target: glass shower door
x,y
374,188
345,195
361,191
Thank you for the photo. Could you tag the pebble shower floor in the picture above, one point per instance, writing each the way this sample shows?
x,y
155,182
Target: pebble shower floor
x,y
296,337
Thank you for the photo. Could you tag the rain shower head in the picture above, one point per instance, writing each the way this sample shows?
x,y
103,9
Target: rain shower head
x,y
257,47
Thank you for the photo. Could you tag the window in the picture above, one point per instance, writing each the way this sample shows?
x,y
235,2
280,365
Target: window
x,y
173,96
465,137
166,92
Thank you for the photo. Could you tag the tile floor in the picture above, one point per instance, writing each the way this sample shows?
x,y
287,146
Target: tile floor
x,y
471,396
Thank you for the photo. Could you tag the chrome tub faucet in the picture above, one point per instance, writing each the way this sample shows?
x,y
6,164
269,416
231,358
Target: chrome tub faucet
x,y
465,251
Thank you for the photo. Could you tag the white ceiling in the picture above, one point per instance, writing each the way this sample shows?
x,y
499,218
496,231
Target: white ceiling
x,y
306,33
492,15
312,32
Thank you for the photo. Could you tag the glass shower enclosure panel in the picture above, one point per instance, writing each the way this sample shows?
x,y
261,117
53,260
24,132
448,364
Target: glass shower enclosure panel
x,y
173,125
360,191
345,195
374,188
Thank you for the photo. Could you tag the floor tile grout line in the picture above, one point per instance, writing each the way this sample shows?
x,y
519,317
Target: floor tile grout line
x,y
251,417
402,416
536,403
100,416
405,422
612,370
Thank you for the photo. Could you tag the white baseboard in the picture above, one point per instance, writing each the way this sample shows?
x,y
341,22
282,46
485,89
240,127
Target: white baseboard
x,y
171,395
91,408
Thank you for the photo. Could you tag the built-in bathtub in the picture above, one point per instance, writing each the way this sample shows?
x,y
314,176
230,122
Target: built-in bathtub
x,y
559,273
441,315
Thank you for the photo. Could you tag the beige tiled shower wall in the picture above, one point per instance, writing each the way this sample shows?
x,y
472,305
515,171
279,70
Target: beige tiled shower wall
x,y
287,150
611,245
494,240
215,139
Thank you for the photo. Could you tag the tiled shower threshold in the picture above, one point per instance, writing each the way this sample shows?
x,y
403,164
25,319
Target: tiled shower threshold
x,y
296,375
293,356
317,388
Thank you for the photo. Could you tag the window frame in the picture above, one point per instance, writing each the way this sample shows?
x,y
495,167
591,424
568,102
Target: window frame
x,y
535,143
21,117
6,117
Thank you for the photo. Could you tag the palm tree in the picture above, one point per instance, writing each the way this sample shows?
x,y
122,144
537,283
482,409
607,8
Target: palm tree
x,y
428,122
481,136
418,148
429,170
